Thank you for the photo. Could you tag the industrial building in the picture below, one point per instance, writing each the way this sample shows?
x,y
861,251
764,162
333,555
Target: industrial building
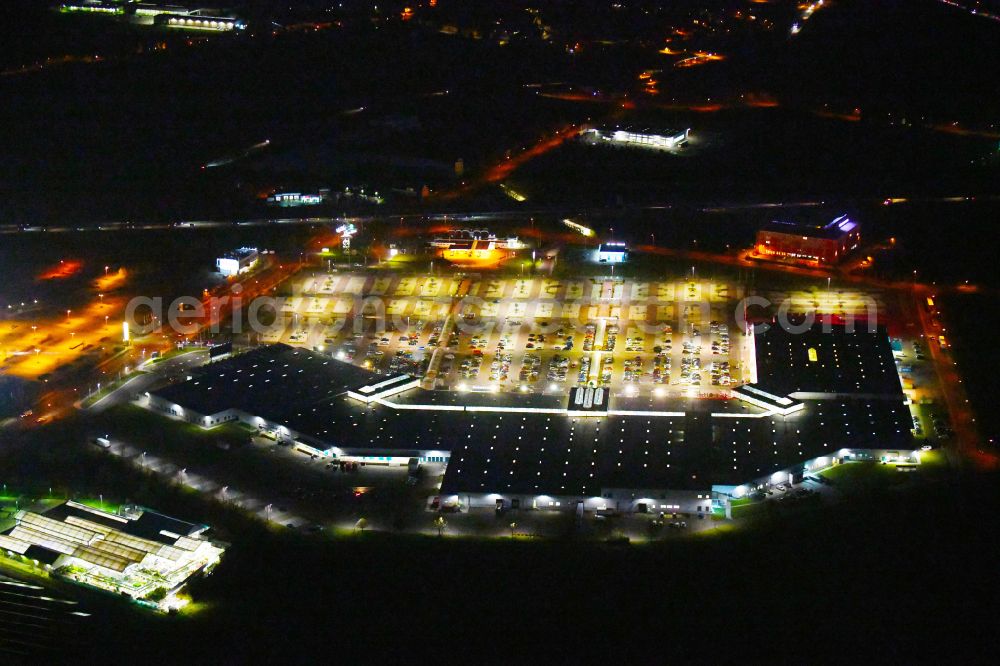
x,y
826,244
238,261
137,552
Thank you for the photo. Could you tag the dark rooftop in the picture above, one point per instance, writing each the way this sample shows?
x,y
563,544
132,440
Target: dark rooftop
x,y
148,525
858,362
42,554
276,382
552,453
560,455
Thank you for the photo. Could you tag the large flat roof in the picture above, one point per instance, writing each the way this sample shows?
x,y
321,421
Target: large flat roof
x,y
827,359
526,443
276,382
560,455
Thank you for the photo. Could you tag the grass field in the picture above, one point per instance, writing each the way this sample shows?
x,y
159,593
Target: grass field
x,y
869,476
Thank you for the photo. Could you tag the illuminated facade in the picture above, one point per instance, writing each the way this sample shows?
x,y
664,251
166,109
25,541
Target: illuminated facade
x,y
190,22
238,261
611,253
181,18
293,199
465,238
642,137
93,7
166,16
479,252
809,244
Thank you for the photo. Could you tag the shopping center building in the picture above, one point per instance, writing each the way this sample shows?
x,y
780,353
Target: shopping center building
x,y
819,396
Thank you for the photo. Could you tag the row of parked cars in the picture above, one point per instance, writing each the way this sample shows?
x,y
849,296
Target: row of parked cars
x,y
530,367
633,369
610,338
942,429
691,370
720,373
720,342
558,369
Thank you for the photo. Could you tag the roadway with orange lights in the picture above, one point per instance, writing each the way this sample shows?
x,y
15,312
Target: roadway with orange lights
x,y
951,388
503,169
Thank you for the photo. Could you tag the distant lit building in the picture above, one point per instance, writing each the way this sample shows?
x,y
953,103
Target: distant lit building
x,y
611,253
474,252
189,22
801,242
293,199
182,18
238,261
91,6
464,239
642,137
166,16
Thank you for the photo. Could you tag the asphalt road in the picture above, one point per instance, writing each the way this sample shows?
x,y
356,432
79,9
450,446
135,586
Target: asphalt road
x,y
153,373
482,216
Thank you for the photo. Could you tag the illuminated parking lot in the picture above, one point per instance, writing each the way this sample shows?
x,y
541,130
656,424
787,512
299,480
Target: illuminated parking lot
x,y
532,335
